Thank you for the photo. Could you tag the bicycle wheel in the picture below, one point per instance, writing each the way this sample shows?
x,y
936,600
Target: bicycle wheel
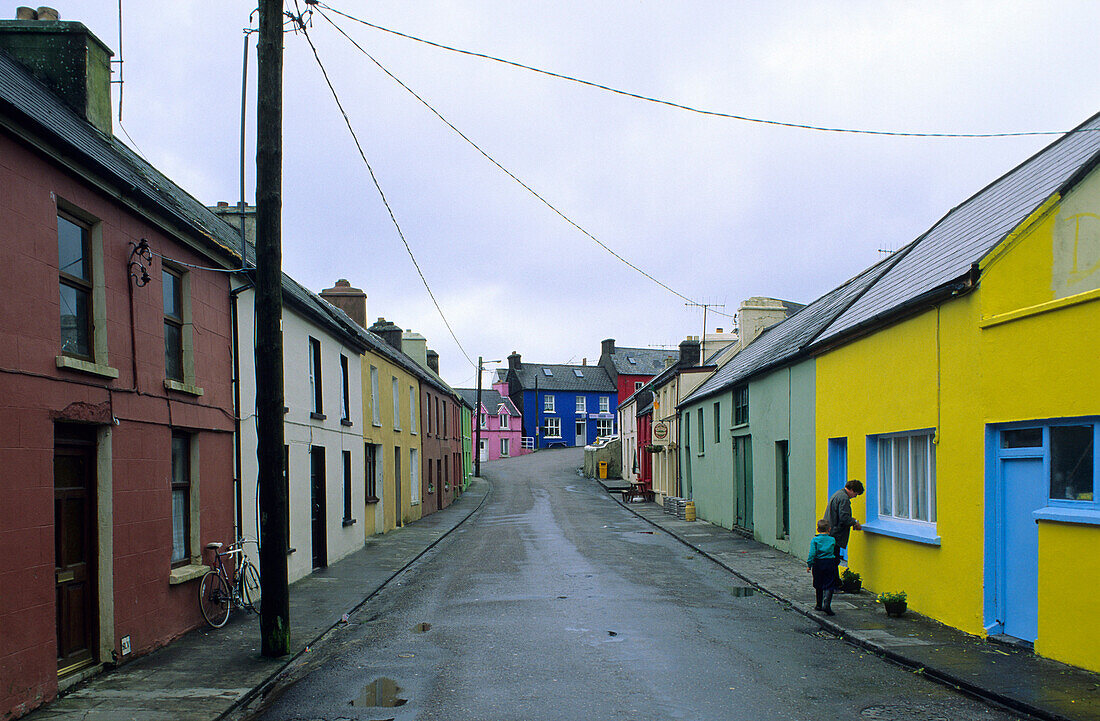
x,y
250,587
214,599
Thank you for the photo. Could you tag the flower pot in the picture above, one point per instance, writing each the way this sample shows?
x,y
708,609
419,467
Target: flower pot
x,y
851,586
895,608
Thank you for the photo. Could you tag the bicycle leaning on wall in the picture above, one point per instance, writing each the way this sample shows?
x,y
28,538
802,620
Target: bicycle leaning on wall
x,y
232,581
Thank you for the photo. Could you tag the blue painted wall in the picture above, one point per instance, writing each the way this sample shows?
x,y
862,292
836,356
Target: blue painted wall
x,y
565,409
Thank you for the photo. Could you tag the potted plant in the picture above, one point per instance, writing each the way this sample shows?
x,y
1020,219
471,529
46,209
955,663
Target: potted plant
x,y
653,448
894,601
850,581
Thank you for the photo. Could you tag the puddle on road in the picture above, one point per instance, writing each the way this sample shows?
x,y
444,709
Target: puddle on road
x,y
742,591
380,692
422,627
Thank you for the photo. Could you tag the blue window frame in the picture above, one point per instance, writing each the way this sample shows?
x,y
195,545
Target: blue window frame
x,y
1071,476
901,485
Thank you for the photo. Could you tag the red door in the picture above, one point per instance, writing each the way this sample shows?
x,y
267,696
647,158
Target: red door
x,y
74,547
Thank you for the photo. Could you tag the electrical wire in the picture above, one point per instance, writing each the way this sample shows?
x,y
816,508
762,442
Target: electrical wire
x,y
378,187
197,267
507,172
700,111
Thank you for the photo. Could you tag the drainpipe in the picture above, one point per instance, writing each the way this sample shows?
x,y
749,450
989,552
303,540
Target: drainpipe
x,y
238,516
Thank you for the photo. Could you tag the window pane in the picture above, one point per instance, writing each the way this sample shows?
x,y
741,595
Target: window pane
x,y
172,305
173,351
885,478
179,525
918,466
1022,438
901,477
1071,454
72,249
75,306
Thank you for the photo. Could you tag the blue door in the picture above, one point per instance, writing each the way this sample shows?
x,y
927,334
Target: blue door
x,y
1023,491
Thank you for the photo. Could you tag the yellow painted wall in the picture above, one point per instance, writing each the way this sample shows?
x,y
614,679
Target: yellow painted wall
x,y
887,382
1041,333
383,433
1025,345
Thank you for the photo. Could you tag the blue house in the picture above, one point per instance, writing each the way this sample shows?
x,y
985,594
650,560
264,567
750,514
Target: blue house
x,y
562,405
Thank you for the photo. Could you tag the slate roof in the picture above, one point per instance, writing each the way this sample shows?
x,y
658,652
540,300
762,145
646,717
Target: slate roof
x,y
787,339
593,380
21,94
489,398
648,361
945,253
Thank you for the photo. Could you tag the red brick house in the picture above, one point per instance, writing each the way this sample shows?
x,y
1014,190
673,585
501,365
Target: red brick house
x,y
116,410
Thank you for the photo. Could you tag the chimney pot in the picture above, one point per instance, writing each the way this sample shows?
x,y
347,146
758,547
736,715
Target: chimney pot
x,y
223,204
48,13
25,13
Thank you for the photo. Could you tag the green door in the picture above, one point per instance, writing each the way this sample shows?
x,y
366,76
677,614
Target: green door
x,y
742,482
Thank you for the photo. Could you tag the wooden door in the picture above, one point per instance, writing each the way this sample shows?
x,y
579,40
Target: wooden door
x,y
75,549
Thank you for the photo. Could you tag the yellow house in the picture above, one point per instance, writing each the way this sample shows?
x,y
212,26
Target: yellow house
x,y
391,418
963,389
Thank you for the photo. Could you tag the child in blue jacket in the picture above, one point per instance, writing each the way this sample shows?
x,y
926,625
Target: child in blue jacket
x,y
822,563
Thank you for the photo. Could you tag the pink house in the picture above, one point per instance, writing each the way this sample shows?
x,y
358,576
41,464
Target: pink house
x,y
500,423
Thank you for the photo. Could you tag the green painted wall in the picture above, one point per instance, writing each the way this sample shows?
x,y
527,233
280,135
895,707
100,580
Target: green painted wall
x,y
781,408
709,468
771,400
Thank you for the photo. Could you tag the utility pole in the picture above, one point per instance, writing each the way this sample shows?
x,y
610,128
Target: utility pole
x,y
477,419
477,423
275,608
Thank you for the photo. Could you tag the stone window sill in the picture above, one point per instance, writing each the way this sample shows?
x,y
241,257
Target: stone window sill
x,y
346,422
349,522
83,366
317,416
187,388
183,574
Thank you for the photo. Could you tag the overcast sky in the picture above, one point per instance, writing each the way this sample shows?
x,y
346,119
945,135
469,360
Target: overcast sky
x,y
718,209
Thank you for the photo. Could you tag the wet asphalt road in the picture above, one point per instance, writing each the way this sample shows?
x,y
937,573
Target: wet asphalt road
x,y
553,602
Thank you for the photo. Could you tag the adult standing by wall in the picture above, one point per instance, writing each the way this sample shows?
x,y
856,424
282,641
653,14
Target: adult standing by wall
x,y
839,515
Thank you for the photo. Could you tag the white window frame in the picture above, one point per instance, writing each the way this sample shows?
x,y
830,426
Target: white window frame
x,y
375,411
414,477
638,386
505,447
412,410
605,404
548,404
504,421
396,393
608,425
582,404
484,420
549,424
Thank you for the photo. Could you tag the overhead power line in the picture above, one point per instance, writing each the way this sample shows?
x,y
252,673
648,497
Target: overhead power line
x,y
701,111
378,187
507,172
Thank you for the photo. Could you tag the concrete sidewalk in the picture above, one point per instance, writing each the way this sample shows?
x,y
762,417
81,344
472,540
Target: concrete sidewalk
x,y
1012,677
210,672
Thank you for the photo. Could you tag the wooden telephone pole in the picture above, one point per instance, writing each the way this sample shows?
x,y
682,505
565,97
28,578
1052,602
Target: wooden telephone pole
x,y
275,605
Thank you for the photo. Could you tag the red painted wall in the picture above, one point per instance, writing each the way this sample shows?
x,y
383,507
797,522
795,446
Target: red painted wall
x,y
645,459
443,450
34,394
626,385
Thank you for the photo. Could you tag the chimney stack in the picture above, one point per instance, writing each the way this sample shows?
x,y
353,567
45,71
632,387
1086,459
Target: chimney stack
x,y
352,301
514,361
433,361
415,346
66,57
608,346
388,332
689,352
